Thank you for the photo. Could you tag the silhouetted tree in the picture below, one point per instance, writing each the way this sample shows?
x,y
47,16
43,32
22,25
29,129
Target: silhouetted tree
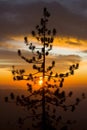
x,y
45,101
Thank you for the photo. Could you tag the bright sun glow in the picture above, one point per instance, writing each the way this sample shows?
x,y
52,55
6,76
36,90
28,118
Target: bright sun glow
x,y
40,81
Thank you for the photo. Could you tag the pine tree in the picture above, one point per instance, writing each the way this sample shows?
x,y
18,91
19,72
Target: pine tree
x,y
45,101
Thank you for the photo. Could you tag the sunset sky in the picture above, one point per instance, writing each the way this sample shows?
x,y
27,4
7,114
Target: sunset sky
x,y
18,18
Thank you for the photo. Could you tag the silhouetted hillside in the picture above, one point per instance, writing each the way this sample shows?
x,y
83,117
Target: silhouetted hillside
x,y
9,113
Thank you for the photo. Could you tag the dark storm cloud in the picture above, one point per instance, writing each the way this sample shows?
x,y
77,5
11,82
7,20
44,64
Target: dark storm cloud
x,y
69,58
19,18
85,51
9,58
63,62
74,43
